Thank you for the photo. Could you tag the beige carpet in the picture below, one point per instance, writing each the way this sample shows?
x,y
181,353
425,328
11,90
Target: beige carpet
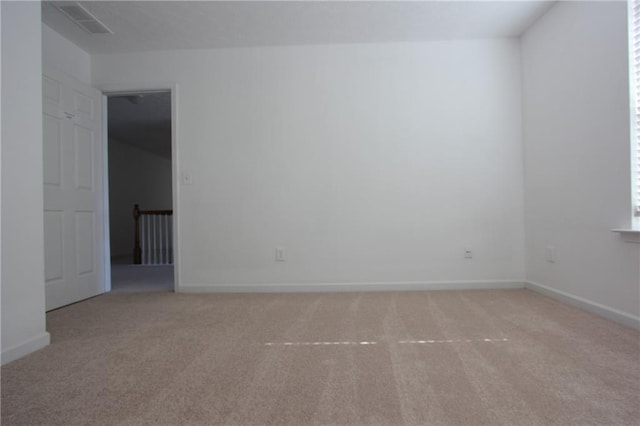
x,y
508,357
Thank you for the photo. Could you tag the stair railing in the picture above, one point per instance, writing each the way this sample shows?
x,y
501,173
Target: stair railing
x,y
153,240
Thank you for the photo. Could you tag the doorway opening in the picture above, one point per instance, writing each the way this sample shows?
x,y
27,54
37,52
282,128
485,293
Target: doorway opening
x,y
141,238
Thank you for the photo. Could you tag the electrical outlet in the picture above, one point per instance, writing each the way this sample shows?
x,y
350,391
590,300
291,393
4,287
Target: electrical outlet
x,y
551,254
280,254
468,252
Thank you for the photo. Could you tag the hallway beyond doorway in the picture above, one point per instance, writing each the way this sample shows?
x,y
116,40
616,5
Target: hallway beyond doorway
x,y
128,278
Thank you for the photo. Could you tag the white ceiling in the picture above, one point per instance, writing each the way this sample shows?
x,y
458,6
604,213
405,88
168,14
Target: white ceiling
x,y
164,25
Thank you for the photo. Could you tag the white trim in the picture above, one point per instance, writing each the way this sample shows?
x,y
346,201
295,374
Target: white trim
x,y
175,190
350,287
587,305
105,195
25,348
633,13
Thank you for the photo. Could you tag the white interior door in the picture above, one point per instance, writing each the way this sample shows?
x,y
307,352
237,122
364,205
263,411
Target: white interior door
x,y
73,190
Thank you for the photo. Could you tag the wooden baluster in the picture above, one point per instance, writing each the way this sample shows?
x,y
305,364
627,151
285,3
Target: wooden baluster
x,y
168,218
163,233
170,239
154,239
148,232
137,250
145,238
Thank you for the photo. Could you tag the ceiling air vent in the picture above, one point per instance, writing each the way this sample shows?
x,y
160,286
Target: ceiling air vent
x,y
82,17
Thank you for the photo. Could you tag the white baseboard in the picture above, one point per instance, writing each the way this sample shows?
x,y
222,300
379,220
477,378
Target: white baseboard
x,y
25,348
349,287
587,305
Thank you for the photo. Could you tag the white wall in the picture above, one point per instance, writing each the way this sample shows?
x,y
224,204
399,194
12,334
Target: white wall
x,y
368,163
61,54
577,168
23,318
135,177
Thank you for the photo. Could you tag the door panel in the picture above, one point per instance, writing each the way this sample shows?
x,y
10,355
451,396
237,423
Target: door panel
x,y
51,89
83,155
84,106
85,242
52,156
53,246
73,190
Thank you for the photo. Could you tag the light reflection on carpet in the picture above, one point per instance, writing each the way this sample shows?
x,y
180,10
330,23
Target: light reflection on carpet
x,y
402,342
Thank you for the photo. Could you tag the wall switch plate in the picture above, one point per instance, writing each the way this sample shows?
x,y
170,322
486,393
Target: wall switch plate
x,y
468,252
280,255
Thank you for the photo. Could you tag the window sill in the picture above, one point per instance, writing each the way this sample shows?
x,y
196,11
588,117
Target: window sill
x,y
629,235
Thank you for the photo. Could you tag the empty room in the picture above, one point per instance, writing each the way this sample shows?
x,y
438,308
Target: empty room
x,y
374,213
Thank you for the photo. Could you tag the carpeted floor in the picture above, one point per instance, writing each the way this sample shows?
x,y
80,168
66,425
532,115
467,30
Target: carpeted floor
x,y
508,357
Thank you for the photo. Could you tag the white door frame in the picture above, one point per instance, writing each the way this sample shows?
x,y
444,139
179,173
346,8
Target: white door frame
x,y
123,89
